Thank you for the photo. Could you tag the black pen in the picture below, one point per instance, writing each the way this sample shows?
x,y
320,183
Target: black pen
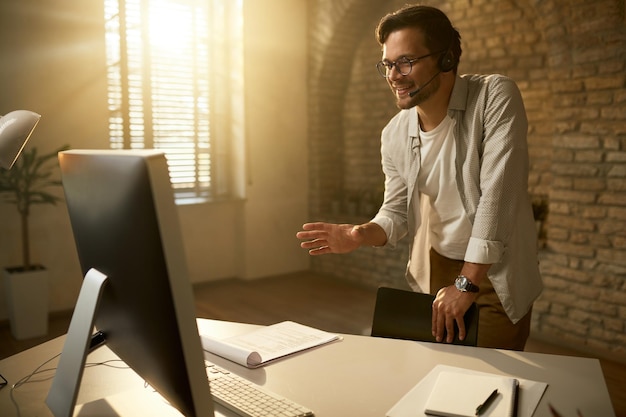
x,y
486,403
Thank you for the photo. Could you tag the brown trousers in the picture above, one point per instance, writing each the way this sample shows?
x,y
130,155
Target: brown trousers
x,y
495,329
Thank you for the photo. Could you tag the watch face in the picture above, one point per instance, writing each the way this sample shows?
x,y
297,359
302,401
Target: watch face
x,y
461,283
465,285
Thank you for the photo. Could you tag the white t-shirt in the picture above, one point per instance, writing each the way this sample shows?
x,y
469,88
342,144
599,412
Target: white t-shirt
x,y
450,229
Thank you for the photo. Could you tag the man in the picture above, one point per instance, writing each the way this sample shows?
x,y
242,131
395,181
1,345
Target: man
x,y
455,161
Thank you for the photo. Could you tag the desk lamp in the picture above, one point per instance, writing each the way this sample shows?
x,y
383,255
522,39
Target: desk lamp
x,y
15,129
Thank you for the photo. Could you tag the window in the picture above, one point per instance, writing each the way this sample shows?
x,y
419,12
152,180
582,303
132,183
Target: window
x,y
166,61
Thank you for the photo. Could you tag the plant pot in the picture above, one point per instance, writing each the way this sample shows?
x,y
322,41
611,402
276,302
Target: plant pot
x,y
27,301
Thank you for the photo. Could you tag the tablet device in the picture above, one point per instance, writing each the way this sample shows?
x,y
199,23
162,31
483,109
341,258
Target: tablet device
x,y
402,314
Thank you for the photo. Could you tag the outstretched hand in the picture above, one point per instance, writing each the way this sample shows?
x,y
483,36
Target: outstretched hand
x,y
321,238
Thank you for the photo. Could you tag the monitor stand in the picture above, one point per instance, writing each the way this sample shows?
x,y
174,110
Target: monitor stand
x,y
63,393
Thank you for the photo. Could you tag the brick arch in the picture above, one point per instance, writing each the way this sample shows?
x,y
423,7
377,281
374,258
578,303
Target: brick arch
x,y
331,72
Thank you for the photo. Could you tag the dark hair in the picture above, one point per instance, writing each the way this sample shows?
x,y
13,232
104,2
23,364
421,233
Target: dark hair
x,y
439,33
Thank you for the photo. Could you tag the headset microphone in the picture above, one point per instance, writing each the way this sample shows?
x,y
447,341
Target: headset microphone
x,y
412,93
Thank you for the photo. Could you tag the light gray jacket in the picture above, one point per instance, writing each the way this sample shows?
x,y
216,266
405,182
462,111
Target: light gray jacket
x,y
491,169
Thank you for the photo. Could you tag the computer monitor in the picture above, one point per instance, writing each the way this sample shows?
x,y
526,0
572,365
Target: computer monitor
x,y
136,287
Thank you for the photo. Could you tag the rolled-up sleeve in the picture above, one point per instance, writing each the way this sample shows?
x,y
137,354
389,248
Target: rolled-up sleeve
x,y
387,224
481,251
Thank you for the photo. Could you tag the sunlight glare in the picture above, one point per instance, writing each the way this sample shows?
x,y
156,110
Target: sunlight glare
x,y
171,25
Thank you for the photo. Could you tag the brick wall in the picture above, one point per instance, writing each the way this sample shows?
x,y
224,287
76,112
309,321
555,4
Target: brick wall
x,y
568,58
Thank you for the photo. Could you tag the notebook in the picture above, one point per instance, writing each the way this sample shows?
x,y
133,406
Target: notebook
x,y
402,314
413,403
458,394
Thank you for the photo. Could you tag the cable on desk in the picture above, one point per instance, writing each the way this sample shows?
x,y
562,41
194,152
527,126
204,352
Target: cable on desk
x,y
35,372
38,370
26,379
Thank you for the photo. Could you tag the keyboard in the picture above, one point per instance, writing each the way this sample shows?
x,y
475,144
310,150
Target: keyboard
x,y
248,399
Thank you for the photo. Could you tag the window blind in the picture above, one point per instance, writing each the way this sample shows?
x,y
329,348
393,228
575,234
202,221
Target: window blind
x,y
161,87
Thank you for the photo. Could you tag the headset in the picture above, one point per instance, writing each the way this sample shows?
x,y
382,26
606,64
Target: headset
x,y
447,61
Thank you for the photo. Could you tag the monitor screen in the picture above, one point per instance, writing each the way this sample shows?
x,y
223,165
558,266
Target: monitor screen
x,y
126,226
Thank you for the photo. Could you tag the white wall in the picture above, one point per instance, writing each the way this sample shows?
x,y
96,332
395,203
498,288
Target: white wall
x,y
276,128
57,70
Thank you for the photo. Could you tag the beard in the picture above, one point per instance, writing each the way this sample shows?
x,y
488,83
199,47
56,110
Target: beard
x,y
423,94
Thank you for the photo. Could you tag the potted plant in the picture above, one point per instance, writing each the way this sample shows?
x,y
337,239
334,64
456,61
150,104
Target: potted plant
x,y
26,285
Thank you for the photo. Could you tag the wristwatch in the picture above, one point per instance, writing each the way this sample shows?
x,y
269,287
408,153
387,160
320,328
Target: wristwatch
x,y
463,284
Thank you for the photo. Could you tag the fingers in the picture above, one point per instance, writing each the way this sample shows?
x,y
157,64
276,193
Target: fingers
x,y
443,323
316,246
445,313
438,320
315,237
450,329
312,244
320,250
439,317
312,231
461,324
315,226
316,234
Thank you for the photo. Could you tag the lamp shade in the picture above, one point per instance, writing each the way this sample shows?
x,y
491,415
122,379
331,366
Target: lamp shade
x,y
15,129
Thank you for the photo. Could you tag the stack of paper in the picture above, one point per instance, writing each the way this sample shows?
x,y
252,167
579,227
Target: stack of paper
x,y
452,391
266,344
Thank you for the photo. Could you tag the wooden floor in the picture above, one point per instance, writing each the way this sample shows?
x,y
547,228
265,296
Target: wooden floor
x,y
311,299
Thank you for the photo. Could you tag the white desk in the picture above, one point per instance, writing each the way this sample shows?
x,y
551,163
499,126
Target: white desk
x,y
358,376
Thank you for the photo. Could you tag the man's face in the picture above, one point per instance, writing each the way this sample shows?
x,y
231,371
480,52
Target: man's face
x,y
409,43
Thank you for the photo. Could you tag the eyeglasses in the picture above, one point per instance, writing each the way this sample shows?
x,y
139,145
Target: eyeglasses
x,y
403,65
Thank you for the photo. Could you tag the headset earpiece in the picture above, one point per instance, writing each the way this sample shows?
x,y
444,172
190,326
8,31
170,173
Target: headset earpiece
x,y
447,61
